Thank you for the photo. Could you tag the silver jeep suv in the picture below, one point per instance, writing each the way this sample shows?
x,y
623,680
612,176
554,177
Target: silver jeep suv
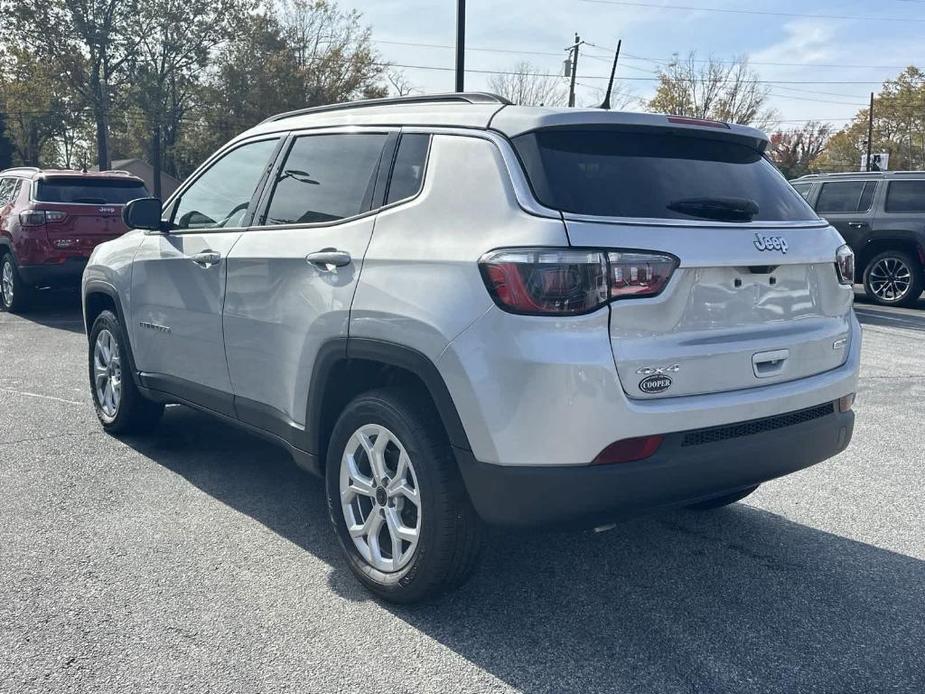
x,y
460,311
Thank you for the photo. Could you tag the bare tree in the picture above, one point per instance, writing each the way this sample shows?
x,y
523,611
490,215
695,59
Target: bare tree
x,y
794,151
401,85
333,50
527,85
726,91
175,40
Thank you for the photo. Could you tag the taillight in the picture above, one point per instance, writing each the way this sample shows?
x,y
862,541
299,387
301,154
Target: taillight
x,y
571,281
32,218
36,218
844,263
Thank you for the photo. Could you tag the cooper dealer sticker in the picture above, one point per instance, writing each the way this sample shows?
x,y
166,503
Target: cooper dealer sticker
x,y
657,383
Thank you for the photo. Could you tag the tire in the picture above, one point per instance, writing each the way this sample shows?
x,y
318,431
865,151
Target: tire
x,y
127,411
894,278
449,532
15,295
720,501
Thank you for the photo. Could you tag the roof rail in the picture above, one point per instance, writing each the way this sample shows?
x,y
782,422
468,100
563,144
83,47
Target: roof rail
x,y
464,97
846,174
21,169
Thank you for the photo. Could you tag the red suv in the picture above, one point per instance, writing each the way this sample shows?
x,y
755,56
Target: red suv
x,y
50,222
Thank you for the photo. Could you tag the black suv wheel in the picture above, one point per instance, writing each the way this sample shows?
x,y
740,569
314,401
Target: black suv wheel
x,y
893,278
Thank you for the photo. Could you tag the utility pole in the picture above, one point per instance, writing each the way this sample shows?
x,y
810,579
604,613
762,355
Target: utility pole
x,y
870,129
460,45
573,68
613,71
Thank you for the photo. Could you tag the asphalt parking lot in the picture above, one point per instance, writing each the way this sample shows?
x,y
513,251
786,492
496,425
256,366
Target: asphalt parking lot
x,y
201,560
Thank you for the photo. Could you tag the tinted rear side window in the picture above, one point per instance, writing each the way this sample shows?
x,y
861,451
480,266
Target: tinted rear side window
x,y
646,174
905,196
326,178
845,196
408,171
89,191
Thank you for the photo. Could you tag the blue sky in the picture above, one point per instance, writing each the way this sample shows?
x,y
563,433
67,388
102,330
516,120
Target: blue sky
x,y
853,55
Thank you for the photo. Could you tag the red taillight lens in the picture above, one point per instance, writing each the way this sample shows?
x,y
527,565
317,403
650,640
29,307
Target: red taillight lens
x,y
844,263
32,218
554,281
543,281
629,450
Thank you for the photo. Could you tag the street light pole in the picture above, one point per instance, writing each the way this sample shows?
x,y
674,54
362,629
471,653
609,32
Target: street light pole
x,y
460,45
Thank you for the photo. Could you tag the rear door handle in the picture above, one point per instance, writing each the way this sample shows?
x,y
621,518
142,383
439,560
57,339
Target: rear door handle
x,y
856,225
329,258
207,259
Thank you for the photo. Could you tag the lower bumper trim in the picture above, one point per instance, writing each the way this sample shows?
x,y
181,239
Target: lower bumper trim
x,y
677,475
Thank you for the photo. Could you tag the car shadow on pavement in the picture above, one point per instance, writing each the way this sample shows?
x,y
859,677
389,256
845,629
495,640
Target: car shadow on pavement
x,y
739,599
56,308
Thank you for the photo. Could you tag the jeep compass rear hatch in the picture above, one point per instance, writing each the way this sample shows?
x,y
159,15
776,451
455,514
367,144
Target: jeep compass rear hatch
x,y
81,212
755,297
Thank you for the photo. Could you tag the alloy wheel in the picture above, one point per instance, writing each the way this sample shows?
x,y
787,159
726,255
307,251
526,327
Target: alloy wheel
x,y
890,279
7,282
380,498
107,373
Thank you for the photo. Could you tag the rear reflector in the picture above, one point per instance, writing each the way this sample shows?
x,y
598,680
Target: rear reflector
x,y
846,403
629,450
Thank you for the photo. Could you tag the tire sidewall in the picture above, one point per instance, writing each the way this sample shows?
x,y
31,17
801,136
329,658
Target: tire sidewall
x,y
108,321
373,409
915,289
18,288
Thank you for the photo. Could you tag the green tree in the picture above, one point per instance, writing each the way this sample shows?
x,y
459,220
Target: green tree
x,y
899,127
710,88
87,43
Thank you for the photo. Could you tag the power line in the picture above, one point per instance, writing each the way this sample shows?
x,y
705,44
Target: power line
x,y
601,77
766,13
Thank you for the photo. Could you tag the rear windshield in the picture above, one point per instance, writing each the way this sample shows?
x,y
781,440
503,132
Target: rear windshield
x,y
641,174
90,191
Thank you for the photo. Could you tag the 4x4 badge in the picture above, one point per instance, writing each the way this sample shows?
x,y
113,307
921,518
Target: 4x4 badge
x,y
771,243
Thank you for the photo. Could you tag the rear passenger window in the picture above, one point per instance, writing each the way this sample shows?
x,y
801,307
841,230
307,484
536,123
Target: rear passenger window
x,y
408,172
905,196
6,190
846,196
326,178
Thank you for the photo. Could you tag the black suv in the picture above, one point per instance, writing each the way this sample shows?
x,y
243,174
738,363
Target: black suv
x,y
882,217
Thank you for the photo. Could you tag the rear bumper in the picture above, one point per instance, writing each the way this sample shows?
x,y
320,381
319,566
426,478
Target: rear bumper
x,y
688,467
54,274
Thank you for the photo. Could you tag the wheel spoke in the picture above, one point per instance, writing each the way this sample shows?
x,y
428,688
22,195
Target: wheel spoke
x,y
407,492
397,529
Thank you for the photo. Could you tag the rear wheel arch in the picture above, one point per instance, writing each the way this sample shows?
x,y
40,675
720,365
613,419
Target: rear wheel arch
x,y
347,367
876,246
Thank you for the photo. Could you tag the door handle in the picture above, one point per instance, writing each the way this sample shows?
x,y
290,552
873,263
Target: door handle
x,y
207,259
856,225
329,258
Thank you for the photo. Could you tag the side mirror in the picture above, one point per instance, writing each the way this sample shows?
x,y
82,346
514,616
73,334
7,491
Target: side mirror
x,y
143,213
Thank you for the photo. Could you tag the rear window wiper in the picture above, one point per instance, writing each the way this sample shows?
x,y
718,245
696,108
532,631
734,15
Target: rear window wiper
x,y
89,201
719,209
